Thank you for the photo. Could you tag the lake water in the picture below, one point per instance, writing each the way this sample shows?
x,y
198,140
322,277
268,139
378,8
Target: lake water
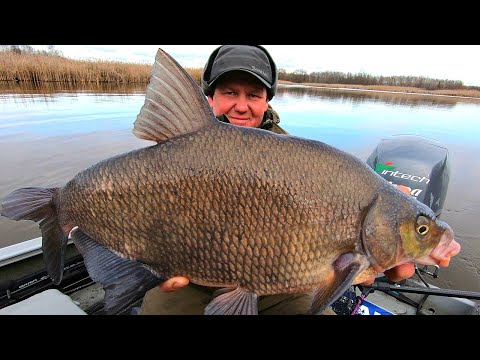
x,y
49,134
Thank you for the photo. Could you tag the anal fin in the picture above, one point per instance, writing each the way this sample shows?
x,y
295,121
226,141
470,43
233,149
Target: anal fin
x,y
124,281
345,269
234,302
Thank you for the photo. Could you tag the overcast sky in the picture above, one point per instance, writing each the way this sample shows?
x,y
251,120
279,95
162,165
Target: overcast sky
x,y
452,62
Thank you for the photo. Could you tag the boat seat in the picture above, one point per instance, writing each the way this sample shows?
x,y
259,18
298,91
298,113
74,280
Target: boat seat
x,y
48,302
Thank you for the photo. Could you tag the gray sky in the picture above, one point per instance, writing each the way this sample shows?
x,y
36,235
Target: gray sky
x,y
452,62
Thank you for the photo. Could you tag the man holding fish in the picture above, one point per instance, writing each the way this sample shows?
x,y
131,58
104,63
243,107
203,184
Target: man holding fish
x,y
239,81
261,216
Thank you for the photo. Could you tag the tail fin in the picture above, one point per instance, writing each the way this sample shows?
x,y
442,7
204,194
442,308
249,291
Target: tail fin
x,y
37,204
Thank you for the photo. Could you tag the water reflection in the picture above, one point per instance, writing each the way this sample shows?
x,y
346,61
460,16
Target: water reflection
x,y
41,114
26,93
354,119
51,88
354,96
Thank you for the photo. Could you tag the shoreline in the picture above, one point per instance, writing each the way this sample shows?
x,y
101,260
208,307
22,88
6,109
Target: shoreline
x,y
462,94
472,94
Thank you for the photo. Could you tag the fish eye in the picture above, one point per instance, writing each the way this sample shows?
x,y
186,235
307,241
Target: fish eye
x,y
422,225
422,229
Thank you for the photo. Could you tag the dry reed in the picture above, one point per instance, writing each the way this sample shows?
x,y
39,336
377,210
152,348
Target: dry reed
x,y
40,68
37,68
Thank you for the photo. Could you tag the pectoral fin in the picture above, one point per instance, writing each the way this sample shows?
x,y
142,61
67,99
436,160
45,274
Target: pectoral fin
x,y
344,270
124,281
234,302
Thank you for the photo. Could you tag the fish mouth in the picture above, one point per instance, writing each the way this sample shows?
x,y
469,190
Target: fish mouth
x,y
443,252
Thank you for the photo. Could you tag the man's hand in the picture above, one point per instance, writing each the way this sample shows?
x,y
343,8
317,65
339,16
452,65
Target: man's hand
x,y
395,274
173,284
400,272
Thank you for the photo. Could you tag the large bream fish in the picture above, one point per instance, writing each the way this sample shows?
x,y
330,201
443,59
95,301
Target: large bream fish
x,y
243,209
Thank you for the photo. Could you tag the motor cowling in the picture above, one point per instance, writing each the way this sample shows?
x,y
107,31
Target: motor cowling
x,y
418,163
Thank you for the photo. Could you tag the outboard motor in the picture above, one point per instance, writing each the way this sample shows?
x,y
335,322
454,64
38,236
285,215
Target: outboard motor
x,y
419,163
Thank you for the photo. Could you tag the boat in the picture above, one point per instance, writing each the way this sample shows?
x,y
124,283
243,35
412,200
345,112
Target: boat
x,y
25,287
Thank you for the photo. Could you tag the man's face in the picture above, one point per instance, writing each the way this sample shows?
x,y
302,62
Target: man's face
x,y
241,97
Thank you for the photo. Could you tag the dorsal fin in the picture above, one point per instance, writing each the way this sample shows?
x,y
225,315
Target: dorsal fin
x,y
174,103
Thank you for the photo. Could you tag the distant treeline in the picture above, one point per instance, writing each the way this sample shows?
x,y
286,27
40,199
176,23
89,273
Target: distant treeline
x,y
335,77
24,63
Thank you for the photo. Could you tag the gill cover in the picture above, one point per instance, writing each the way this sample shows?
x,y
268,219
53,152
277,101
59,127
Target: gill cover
x,y
380,234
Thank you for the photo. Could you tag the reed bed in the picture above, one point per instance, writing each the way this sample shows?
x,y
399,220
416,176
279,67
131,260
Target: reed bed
x,y
44,68
37,68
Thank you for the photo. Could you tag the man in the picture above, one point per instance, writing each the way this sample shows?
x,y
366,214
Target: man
x,y
239,81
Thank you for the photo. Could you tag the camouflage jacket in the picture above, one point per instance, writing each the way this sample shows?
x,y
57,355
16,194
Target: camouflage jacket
x,y
270,121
